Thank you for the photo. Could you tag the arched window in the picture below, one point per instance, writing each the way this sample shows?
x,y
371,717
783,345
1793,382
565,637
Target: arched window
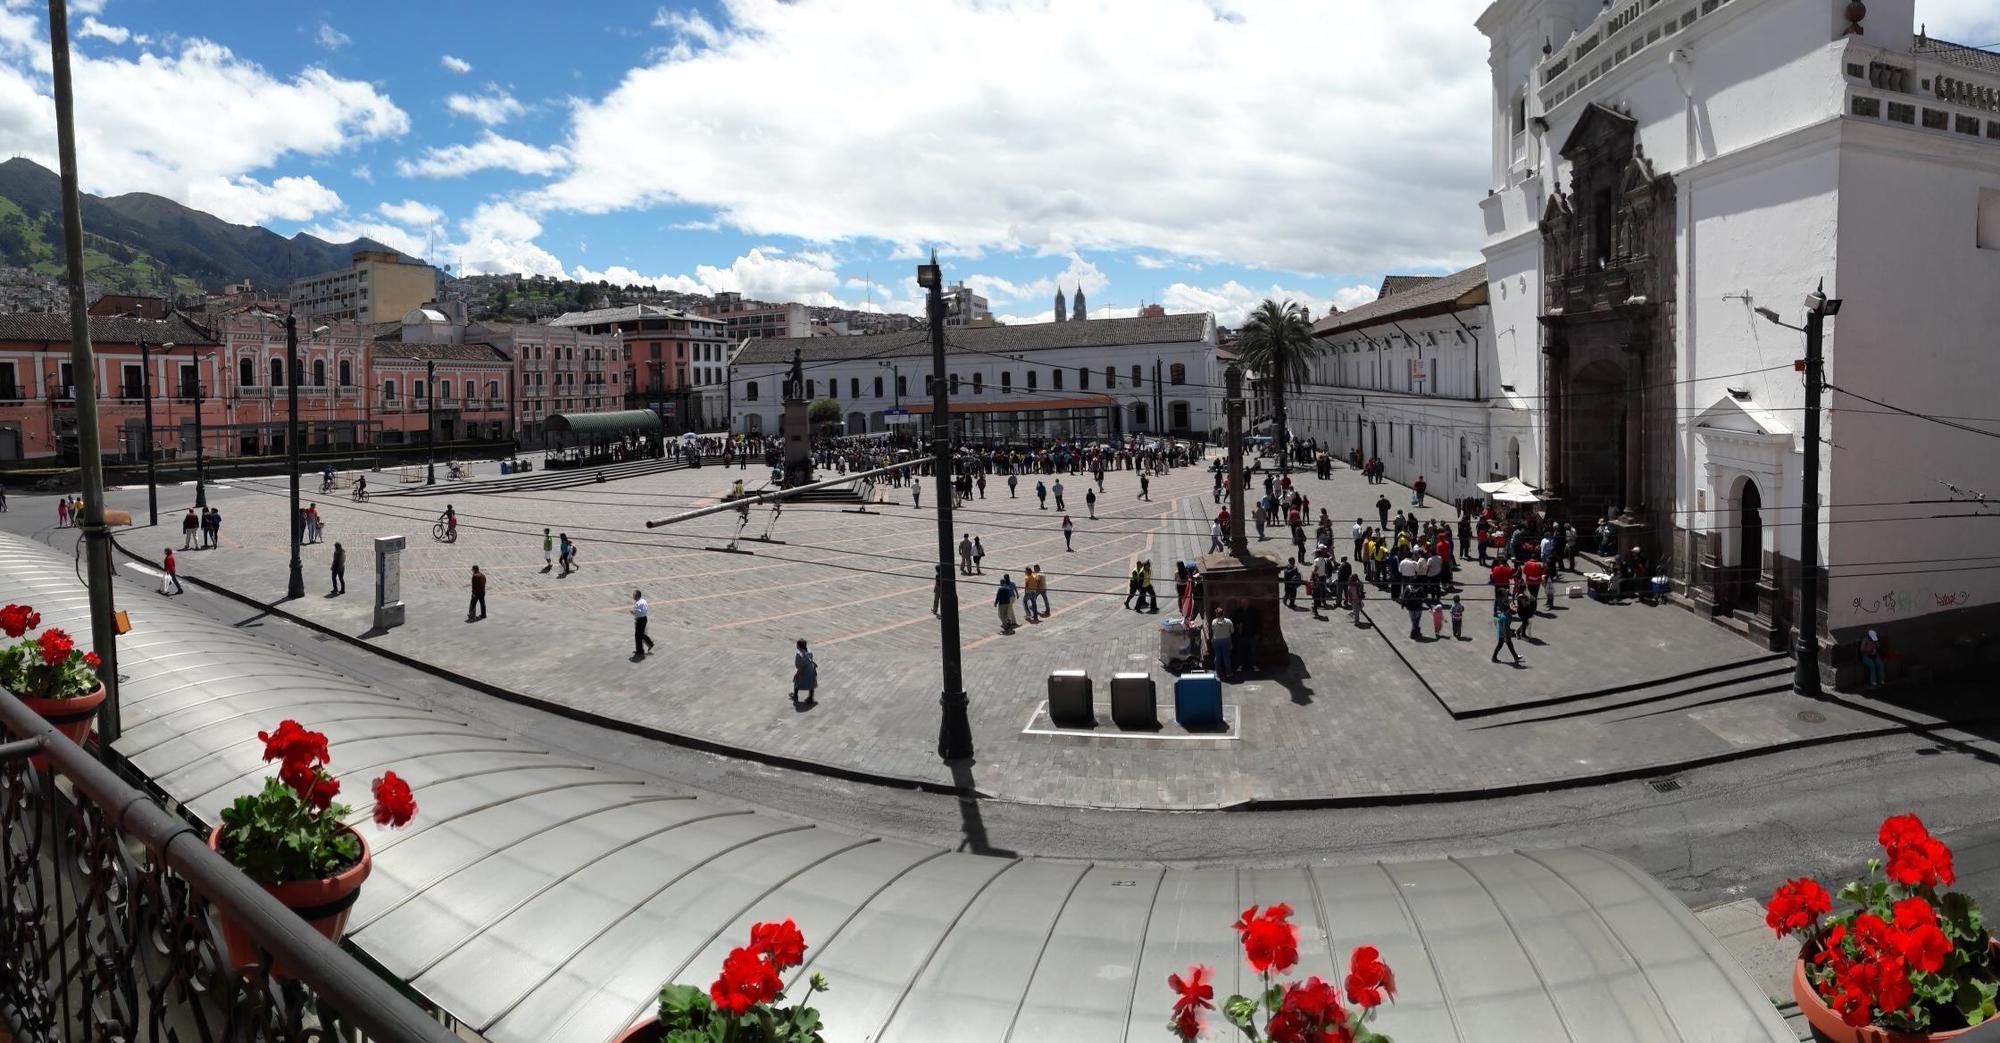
x,y
1110,378
853,387
902,386
277,371
246,373
878,387
1006,381
1138,377
1055,379
750,391
319,373
978,383
1031,380
1083,378
1177,374
347,373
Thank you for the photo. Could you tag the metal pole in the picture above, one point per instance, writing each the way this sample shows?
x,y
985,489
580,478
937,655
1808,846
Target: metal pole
x,y
1232,379
152,466
954,726
1805,679
295,587
430,420
90,458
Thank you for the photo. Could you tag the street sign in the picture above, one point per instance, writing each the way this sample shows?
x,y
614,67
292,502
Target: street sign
x,y
898,418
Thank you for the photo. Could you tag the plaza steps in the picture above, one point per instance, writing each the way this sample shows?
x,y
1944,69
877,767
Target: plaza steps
x,y
841,494
1760,675
542,481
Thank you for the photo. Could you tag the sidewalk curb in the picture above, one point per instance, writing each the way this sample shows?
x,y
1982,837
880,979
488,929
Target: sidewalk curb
x,y
1249,805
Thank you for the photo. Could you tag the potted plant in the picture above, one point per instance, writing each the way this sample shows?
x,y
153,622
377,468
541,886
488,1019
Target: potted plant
x,y
743,1005
50,675
294,840
1292,1012
1902,963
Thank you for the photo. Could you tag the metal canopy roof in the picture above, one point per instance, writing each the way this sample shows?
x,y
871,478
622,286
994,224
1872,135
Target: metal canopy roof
x,y
613,423
542,897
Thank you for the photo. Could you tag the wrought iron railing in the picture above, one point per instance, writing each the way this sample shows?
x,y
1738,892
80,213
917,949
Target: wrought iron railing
x,y
105,922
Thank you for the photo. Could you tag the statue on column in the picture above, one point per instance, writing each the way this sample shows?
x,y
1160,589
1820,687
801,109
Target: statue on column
x,y
795,381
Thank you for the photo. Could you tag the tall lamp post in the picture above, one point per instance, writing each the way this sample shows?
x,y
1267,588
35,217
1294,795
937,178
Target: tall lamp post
x,y
431,421
954,726
295,585
200,460
1819,308
152,468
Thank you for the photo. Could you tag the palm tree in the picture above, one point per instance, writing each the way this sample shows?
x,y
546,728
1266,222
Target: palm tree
x,y
1277,342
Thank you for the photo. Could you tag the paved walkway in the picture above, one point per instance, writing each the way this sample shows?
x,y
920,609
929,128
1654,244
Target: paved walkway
x,y
1362,714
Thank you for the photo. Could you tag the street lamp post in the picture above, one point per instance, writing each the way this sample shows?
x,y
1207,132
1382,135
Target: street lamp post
x,y
295,586
954,726
430,421
200,458
152,468
1819,308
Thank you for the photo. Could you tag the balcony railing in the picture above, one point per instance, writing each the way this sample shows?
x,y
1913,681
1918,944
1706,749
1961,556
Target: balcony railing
x,y
105,902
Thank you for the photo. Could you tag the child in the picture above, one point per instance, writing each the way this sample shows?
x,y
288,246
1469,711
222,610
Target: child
x,y
1457,618
1437,621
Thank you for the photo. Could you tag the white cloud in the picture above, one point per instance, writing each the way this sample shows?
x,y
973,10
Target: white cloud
x,y
499,239
363,173
490,152
492,108
457,65
1079,272
330,38
146,124
1975,23
412,213
110,33
393,236
1353,296
1232,301
760,273
1381,170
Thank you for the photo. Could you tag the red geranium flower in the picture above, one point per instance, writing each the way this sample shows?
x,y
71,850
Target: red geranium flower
x,y
395,805
1898,828
1309,1013
747,980
91,660
324,789
1920,862
16,620
294,745
1194,990
1368,978
1797,905
56,646
782,942
1270,942
1186,1023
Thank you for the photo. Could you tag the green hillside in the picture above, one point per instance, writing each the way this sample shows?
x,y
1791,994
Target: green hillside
x,y
35,243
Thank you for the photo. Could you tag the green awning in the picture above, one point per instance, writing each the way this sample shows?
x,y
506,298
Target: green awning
x,y
624,421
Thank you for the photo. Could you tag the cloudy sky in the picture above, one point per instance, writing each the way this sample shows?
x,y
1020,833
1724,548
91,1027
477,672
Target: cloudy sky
x,y
1199,153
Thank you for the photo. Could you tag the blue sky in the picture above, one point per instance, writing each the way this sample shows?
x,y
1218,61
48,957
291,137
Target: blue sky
x,y
1199,154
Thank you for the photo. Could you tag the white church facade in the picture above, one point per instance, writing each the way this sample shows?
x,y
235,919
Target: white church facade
x,y
1665,171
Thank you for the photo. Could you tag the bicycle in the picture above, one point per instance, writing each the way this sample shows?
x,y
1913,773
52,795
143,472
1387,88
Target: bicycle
x,y
440,533
360,494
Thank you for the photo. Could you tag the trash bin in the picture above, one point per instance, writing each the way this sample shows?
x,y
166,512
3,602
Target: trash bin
x,y
1134,702
1176,642
504,469
1198,700
1069,699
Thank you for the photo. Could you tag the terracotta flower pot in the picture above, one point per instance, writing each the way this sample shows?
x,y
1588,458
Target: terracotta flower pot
x,y
647,1031
324,904
72,717
1826,1022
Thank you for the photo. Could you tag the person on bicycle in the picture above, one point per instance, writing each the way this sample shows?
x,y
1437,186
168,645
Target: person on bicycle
x,y
360,486
326,478
450,520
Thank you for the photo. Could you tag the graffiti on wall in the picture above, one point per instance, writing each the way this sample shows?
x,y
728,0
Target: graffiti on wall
x,y
1893,602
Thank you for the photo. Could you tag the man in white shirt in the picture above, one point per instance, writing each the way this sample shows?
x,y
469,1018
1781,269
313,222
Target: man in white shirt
x,y
641,644
1221,643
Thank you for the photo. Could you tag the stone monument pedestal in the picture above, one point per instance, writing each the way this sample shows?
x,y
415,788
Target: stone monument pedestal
x,y
796,423
1250,580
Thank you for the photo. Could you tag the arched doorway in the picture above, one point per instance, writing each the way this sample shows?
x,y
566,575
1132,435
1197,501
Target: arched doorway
x,y
1748,564
1596,441
1513,458
857,423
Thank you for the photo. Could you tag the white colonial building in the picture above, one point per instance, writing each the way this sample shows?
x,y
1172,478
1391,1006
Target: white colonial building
x,y
1098,378
1663,171
1415,380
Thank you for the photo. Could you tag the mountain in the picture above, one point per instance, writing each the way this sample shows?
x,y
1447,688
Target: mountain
x,y
143,243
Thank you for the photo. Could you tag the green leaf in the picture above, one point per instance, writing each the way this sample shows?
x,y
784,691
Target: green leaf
x,y
1239,1010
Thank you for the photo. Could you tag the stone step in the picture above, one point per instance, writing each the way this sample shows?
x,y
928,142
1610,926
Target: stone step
x,y
1758,676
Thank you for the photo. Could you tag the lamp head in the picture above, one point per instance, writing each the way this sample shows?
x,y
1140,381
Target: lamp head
x,y
319,330
1770,315
930,276
168,346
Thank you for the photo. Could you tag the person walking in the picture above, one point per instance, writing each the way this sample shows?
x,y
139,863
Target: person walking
x,y
965,555
937,588
1457,618
189,524
1357,592
338,570
1003,602
1131,586
1090,502
641,611
1531,573
981,483
1069,530
1419,489
1042,587
1031,585
1437,621
1148,601
170,572
978,556
1145,487
1382,506
214,527
1042,494
62,513
1058,490
548,550
1013,480
1871,659
1524,607
565,554
1503,629
477,604
916,494
805,674
450,524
